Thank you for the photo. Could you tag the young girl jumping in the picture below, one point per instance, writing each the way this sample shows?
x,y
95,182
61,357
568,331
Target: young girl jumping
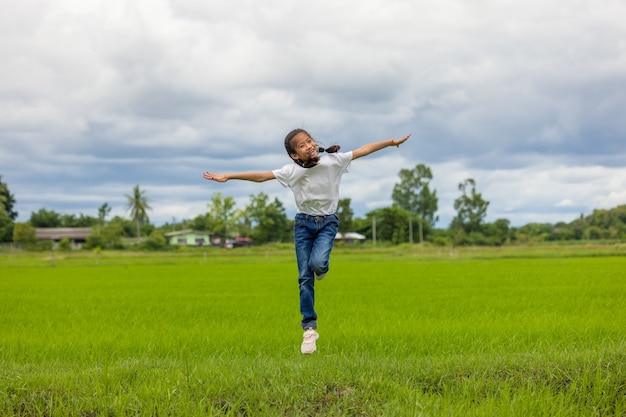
x,y
314,180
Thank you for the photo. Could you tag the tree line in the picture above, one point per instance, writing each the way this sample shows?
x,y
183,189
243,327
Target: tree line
x,y
410,219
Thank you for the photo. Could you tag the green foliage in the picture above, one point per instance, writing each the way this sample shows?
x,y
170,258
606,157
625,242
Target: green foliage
x,y
441,241
497,233
413,193
44,245
24,234
65,245
440,237
94,241
599,225
392,225
6,226
156,241
268,221
103,212
222,215
113,233
50,218
45,218
199,222
471,210
110,236
70,220
345,215
7,201
7,214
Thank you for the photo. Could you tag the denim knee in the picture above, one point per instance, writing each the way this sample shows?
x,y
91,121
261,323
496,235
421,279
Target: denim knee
x,y
319,265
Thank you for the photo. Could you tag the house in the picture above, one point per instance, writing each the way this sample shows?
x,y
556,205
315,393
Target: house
x,y
350,237
188,238
76,235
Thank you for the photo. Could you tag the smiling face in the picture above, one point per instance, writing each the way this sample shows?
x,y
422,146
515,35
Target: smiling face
x,y
304,147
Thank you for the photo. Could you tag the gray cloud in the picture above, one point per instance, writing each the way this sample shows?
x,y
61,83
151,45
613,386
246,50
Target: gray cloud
x,y
525,97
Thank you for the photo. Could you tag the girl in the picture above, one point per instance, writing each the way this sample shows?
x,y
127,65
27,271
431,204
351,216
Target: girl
x,y
314,181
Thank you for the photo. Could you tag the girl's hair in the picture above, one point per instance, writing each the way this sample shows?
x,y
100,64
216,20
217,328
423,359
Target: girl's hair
x,y
311,162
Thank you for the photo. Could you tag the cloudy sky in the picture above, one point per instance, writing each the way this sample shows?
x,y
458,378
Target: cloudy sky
x,y
527,97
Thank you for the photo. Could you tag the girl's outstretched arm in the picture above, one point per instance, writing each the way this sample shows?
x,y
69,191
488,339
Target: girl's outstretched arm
x,y
377,146
246,176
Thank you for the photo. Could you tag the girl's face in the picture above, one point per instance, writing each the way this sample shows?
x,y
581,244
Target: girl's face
x,y
304,147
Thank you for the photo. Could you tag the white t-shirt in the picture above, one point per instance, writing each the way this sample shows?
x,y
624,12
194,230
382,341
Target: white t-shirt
x,y
316,189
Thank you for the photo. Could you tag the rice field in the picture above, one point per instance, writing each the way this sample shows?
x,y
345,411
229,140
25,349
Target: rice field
x,y
402,334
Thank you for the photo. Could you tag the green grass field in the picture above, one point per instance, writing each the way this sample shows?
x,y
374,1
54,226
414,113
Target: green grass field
x,y
477,333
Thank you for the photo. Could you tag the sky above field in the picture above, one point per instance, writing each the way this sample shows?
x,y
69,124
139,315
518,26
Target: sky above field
x,y
528,98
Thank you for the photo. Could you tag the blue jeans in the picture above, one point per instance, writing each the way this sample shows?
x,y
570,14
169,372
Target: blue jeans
x,y
314,240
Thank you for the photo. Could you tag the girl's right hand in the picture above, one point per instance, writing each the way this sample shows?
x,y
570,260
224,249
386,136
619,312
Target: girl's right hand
x,y
215,177
398,142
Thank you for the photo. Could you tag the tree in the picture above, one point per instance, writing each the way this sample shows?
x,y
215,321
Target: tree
x,y
6,223
389,224
471,209
3,198
103,236
45,218
70,220
268,221
413,194
6,226
222,214
110,235
200,222
65,245
103,212
7,200
156,241
496,233
345,215
138,206
24,234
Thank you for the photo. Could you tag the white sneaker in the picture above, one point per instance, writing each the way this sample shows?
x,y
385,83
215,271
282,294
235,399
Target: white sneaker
x,y
319,277
308,342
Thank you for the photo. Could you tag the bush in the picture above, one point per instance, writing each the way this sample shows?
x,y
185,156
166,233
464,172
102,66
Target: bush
x,y
156,241
65,245
24,234
40,246
94,241
441,241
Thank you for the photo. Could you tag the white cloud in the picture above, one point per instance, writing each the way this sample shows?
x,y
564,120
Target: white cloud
x,y
565,203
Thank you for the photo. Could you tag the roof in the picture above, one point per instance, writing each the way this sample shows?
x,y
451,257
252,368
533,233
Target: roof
x,y
350,235
186,232
58,233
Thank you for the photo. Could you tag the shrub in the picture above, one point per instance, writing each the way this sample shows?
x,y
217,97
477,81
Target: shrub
x,y
65,245
156,241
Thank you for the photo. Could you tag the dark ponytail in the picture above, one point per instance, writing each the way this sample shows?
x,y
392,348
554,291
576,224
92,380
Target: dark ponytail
x,y
311,162
332,149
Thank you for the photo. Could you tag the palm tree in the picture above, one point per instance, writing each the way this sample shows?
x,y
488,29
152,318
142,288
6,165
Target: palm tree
x,y
138,207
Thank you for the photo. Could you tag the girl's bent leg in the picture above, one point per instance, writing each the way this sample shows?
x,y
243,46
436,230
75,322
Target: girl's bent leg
x,y
319,260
